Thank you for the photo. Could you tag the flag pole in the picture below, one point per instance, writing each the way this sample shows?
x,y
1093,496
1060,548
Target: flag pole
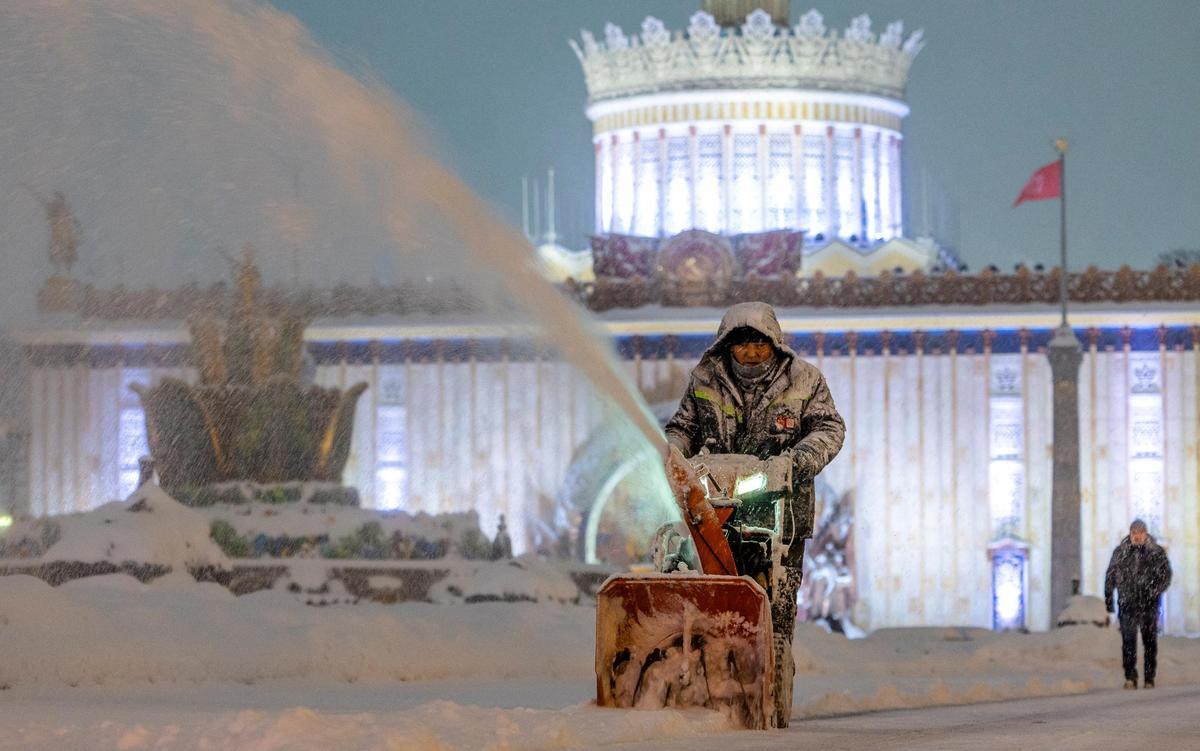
x,y
1065,355
1061,145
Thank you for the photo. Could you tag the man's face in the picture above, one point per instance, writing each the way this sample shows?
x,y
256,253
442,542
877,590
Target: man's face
x,y
1138,537
752,352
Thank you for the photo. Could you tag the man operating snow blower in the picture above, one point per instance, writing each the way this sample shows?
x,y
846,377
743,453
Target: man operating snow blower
x,y
750,394
713,627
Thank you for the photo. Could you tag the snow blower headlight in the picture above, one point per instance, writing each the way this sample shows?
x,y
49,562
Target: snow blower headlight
x,y
750,484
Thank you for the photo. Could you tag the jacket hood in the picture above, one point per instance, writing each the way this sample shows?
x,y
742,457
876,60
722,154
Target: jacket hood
x,y
755,315
1150,542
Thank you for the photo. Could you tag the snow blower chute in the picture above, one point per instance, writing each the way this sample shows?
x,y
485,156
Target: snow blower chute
x,y
686,638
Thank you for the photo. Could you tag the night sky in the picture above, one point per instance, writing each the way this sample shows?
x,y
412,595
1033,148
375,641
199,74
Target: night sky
x,y
503,95
140,113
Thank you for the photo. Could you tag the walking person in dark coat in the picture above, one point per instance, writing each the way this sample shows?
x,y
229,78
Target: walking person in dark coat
x,y
751,394
1140,572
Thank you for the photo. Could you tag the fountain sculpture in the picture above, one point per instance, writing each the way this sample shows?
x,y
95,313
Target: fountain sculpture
x,y
251,421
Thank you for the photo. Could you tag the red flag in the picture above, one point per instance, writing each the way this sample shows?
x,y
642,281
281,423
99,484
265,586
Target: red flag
x,y
1045,183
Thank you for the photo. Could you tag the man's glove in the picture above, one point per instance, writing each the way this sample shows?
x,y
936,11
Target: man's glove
x,y
804,464
779,466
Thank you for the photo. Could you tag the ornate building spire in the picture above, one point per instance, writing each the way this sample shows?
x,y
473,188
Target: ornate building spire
x,y
732,13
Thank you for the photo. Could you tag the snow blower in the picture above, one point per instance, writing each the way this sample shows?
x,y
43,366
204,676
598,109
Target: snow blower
x,y
683,637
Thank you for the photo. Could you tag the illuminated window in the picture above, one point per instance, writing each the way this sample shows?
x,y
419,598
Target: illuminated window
x,y
131,432
1008,589
708,183
781,183
1006,426
1146,475
646,217
843,177
391,445
888,220
679,194
870,160
604,186
816,215
1006,495
746,214
623,200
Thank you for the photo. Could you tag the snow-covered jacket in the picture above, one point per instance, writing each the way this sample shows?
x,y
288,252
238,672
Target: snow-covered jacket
x,y
1139,573
794,416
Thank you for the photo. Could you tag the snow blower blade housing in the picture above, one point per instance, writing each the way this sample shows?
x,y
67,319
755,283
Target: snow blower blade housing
x,y
686,640
685,637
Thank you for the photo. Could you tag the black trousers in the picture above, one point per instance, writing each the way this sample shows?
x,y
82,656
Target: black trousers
x,y
783,625
1145,621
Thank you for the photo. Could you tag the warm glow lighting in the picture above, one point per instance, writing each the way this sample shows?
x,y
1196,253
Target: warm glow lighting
x,y
6,521
1008,601
1008,590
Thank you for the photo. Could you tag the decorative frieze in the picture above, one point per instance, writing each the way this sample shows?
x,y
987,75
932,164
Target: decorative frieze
x,y
1022,287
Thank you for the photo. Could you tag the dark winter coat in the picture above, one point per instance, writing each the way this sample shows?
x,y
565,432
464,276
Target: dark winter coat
x,y
1140,573
793,417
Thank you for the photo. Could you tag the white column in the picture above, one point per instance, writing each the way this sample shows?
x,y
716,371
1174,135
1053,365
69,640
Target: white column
x,y
726,177
1177,526
1184,403
831,205
1089,544
1038,393
897,206
876,209
798,172
110,426
598,146
614,158
860,225
636,147
763,154
693,170
975,525
662,182
38,500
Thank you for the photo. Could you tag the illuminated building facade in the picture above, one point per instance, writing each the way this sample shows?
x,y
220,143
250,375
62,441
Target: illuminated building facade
x,y
738,126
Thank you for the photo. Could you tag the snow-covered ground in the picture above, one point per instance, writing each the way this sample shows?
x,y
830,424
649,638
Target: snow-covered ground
x,y
108,662
1164,719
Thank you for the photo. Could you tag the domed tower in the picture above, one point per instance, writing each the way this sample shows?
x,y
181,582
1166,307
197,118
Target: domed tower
x,y
740,124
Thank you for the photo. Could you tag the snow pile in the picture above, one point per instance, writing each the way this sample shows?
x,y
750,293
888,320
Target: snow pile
x,y
527,579
139,656
1083,610
435,726
920,667
149,527
113,629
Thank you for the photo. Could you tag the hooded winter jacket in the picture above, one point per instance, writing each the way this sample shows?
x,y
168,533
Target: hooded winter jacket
x,y
793,415
1140,574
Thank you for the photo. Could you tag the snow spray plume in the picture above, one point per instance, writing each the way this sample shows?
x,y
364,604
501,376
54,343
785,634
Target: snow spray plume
x,y
176,128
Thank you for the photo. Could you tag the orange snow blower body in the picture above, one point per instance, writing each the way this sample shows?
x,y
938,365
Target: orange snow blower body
x,y
688,638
